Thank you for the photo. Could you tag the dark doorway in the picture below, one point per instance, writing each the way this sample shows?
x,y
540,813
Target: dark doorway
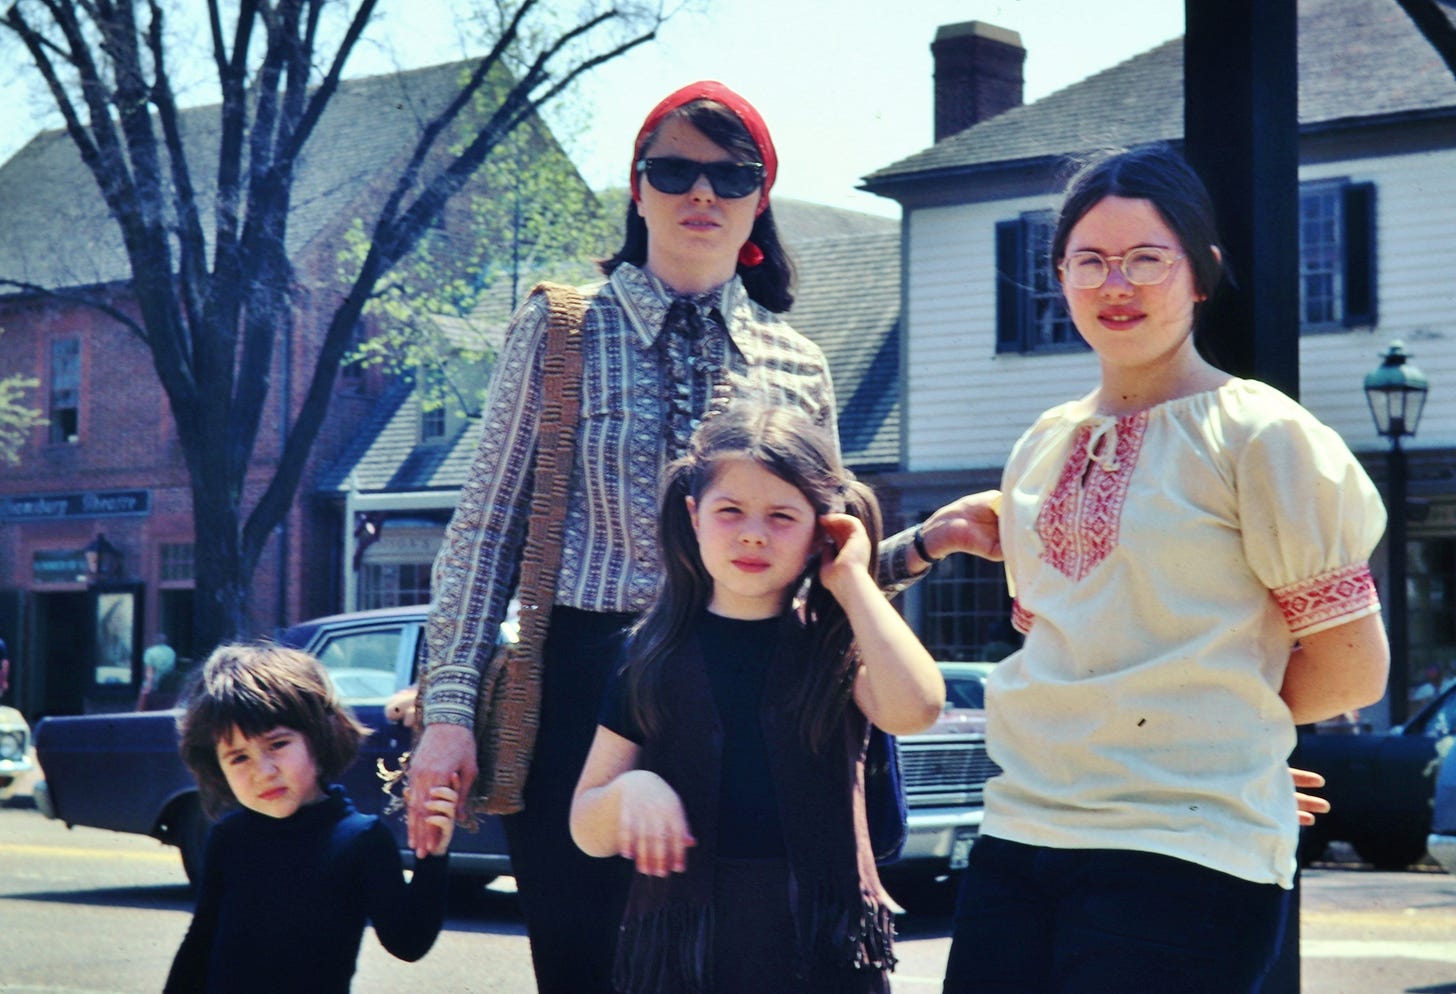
x,y
65,635
174,616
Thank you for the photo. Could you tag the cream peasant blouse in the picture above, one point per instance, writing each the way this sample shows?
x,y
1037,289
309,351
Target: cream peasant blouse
x,y
1162,565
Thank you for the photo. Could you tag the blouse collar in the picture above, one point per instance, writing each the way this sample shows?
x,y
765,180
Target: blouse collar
x,y
645,300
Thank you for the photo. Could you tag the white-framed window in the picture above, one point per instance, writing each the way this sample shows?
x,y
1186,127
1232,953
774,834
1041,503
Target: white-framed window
x,y
965,611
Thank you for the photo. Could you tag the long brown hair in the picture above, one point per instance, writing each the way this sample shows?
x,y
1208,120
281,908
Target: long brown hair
x,y
787,444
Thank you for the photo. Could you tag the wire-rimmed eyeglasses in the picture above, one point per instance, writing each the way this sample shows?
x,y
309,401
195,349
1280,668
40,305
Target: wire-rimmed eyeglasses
x,y
1145,265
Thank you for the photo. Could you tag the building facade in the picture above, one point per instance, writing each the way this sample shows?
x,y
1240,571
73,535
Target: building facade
x,y
987,344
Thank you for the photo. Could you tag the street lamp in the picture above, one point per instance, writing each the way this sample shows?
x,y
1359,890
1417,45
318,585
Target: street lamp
x,y
1396,391
103,560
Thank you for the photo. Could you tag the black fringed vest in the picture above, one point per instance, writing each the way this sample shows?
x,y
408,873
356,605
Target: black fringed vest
x,y
837,903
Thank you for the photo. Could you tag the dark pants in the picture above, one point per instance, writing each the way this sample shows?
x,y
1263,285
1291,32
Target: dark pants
x,y
572,902
1033,920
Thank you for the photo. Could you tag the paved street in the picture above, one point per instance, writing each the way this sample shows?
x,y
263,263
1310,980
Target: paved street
x,y
90,912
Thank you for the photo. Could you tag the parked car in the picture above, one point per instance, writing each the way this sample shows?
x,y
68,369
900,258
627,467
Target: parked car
x,y
1381,786
1441,843
945,770
15,759
122,771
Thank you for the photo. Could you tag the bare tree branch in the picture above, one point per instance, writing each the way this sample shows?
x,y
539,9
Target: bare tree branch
x,y
1436,26
214,325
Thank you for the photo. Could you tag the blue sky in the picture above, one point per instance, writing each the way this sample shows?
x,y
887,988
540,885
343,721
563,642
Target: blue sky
x,y
846,87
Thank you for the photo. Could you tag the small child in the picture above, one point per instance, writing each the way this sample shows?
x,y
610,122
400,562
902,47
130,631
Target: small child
x,y
289,882
729,762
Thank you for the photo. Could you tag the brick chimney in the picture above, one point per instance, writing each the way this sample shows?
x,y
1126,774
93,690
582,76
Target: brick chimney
x,y
977,74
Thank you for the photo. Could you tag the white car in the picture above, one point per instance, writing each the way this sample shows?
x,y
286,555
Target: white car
x,y
15,756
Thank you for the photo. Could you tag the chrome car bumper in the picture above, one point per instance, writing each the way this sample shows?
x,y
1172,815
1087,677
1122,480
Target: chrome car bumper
x,y
940,835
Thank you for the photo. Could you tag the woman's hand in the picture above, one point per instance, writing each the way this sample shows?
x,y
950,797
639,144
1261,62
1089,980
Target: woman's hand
x,y
1308,804
971,524
443,757
652,827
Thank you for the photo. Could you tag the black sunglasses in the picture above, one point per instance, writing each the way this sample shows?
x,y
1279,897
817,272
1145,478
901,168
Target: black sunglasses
x,y
672,175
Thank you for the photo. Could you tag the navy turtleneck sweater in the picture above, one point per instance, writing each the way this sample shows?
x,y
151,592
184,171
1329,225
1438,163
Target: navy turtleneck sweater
x,y
283,902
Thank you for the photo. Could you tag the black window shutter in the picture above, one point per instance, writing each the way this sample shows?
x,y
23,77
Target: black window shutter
x,y
1360,286
1010,283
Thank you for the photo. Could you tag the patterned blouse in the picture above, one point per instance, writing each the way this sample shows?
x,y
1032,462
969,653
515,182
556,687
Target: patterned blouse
x,y
610,559
1162,565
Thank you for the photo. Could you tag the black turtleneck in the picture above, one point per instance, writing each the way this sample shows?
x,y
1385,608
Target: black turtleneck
x,y
736,655
282,903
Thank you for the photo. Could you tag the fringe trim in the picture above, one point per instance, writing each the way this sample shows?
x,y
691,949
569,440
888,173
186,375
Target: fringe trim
x,y
862,937
667,951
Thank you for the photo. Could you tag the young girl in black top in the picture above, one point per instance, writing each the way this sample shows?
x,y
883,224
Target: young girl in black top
x,y
728,765
289,881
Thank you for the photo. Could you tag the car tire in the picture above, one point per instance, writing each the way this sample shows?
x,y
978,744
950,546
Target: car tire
x,y
188,828
1390,854
1313,841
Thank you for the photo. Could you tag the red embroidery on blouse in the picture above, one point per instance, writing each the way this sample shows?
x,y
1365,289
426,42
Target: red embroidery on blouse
x,y
1339,593
1021,618
1079,522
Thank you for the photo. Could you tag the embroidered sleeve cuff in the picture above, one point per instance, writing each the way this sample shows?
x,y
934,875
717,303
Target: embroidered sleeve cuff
x,y
1021,618
1326,601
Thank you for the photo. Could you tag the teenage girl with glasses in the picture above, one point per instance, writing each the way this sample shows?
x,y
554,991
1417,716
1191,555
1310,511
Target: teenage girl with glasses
x,y
688,318
1187,553
729,762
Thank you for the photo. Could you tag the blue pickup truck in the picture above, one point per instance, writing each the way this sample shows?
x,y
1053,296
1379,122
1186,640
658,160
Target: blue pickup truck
x,y
122,771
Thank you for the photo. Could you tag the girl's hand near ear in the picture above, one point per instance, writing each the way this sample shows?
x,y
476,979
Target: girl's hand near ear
x,y
844,554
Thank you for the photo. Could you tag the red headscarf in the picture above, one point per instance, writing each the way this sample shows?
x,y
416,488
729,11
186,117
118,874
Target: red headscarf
x,y
708,89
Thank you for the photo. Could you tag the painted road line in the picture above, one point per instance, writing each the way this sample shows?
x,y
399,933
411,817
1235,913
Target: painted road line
x,y
168,855
1441,952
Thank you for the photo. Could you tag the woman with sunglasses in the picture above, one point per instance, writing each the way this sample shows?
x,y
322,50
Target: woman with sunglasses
x,y
687,319
1187,552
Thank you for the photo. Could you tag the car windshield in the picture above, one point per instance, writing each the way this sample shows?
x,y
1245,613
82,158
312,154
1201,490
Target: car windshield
x,y
964,691
362,664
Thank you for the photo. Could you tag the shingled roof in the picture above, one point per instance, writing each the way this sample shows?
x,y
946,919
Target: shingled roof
x,y
1358,60
848,302
59,233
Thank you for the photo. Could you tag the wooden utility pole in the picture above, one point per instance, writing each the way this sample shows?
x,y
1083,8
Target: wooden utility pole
x,y
1241,133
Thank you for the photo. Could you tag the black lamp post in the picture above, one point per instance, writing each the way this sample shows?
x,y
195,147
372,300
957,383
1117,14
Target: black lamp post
x,y
1396,391
103,560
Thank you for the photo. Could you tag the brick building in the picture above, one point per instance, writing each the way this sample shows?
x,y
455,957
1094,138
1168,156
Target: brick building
x,y
107,475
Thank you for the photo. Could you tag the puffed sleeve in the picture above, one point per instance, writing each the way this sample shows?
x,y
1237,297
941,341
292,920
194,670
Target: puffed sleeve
x,y
1310,518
